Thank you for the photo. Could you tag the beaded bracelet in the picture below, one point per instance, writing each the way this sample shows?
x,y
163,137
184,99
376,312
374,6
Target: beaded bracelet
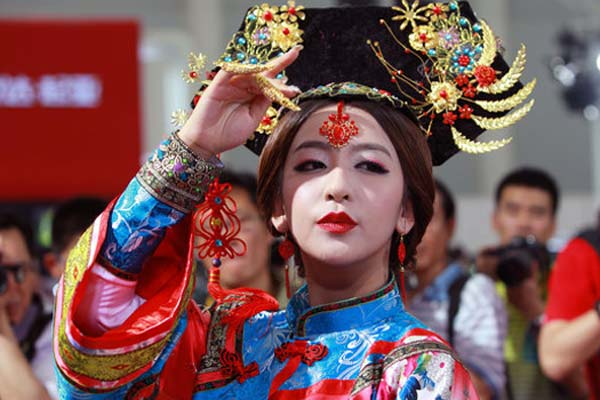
x,y
176,176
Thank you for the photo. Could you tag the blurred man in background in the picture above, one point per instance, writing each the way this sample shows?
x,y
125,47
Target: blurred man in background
x,y
463,308
524,219
26,360
71,218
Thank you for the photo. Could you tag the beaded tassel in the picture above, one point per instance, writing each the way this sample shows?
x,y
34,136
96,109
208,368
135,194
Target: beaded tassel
x,y
217,226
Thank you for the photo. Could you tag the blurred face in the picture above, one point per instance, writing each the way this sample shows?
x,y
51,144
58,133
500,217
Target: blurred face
x,y
342,205
243,270
432,251
16,257
523,211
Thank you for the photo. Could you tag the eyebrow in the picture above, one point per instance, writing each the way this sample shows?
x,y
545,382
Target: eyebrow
x,y
370,146
312,144
355,147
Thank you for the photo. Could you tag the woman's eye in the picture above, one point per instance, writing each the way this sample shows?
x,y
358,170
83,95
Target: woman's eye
x,y
310,165
372,167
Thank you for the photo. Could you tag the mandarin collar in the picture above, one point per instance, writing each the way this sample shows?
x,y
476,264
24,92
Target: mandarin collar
x,y
352,313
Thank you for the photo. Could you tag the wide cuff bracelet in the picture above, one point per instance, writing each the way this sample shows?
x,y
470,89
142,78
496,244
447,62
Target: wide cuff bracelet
x,y
176,176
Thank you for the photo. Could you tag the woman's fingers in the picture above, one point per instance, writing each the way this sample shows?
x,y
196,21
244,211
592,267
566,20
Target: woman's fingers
x,y
282,62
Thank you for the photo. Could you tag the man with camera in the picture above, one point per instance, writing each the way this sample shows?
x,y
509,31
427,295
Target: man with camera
x,y
25,327
524,218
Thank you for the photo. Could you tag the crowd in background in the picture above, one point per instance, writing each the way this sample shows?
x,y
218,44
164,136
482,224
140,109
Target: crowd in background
x,y
525,322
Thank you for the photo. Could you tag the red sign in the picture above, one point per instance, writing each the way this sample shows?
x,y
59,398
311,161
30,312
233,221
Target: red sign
x,y
69,108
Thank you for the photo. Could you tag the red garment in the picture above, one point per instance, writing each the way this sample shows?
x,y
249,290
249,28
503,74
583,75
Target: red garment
x,y
573,289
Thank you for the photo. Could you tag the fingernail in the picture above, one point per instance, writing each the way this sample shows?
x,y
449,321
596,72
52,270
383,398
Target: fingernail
x,y
296,89
298,47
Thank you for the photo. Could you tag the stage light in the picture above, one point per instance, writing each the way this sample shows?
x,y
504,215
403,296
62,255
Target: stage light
x,y
577,69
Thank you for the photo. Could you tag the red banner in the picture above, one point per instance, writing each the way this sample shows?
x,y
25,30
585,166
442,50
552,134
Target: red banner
x,y
69,108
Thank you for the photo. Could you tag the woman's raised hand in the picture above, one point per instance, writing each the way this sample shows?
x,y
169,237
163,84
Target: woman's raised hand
x,y
232,107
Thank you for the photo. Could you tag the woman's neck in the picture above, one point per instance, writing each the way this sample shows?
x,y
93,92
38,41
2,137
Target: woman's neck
x,y
333,283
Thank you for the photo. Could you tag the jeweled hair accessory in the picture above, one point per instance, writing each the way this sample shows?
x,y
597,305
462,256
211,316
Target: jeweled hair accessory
x,y
338,127
456,80
266,33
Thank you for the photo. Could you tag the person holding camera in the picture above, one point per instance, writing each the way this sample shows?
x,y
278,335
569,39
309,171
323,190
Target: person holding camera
x,y
524,218
463,308
26,362
570,337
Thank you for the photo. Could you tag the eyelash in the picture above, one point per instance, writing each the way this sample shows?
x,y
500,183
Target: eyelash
x,y
372,166
309,165
313,165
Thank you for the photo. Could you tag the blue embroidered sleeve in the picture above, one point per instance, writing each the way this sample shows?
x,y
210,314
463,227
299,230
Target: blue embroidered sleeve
x,y
137,225
165,189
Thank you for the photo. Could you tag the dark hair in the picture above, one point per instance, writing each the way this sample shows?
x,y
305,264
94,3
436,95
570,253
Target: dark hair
x,y
242,180
530,177
10,221
447,200
71,218
409,142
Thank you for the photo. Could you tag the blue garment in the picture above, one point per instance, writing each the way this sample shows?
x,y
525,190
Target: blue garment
x,y
351,338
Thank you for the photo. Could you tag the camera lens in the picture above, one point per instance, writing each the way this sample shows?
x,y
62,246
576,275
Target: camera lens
x,y
514,267
516,259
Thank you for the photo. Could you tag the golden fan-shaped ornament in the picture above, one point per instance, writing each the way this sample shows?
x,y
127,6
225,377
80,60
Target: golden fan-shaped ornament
x,y
503,122
511,77
470,146
510,102
489,45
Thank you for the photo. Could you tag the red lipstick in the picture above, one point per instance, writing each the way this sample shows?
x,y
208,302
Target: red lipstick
x,y
337,222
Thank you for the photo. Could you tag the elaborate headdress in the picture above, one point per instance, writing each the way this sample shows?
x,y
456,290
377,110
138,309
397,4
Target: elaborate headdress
x,y
436,62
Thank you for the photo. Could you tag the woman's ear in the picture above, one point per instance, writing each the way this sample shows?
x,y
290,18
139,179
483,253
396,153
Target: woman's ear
x,y
406,218
279,217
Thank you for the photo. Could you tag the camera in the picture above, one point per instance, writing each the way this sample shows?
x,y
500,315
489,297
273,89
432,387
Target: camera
x,y
516,258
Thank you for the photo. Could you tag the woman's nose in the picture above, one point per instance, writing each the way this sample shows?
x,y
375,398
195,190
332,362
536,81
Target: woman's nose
x,y
338,185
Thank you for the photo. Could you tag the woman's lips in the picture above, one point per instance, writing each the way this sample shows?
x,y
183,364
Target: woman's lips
x,y
337,222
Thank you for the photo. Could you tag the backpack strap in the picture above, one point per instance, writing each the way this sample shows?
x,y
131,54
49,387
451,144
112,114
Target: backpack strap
x,y
454,293
42,319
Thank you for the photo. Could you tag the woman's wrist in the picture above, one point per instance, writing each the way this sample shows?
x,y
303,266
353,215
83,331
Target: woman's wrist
x,y
198,150
177,175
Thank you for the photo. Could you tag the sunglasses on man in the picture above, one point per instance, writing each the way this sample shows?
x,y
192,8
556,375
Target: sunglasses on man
x,y
18,272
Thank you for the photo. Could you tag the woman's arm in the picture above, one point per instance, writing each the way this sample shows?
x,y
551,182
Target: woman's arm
x,y
122,303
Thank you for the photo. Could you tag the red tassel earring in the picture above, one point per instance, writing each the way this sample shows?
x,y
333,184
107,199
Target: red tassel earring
x,y
402,258
286,251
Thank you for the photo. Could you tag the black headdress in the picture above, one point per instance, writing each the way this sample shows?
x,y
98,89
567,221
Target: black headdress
x,y
436,62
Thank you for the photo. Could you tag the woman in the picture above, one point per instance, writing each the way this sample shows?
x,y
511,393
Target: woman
x,y
347,179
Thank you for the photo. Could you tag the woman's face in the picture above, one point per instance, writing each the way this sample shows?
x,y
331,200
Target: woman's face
x,y
342,205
